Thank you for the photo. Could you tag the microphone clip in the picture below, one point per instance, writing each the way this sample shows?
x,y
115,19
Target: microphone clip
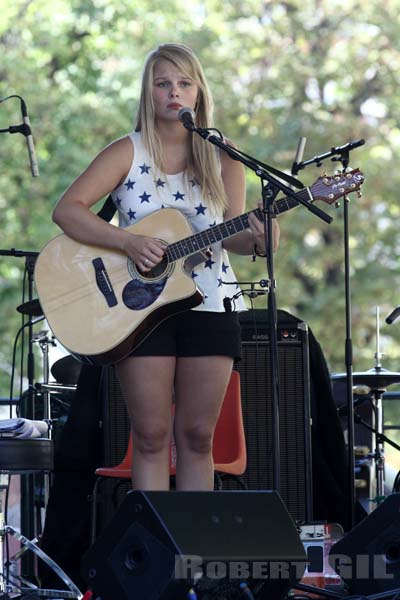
x,y
189,126
22,128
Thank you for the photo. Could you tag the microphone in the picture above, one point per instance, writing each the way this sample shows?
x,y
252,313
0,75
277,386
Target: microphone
x,y
394,315
187,117
348,146
29,140
299,155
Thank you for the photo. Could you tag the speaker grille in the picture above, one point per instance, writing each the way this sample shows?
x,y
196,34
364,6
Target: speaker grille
x,y
294,408
116,425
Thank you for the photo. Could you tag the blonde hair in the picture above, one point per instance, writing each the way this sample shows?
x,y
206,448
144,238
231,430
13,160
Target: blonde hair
x,y
203,162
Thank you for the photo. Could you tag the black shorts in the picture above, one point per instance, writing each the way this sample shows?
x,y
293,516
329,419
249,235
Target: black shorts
x,y
194,333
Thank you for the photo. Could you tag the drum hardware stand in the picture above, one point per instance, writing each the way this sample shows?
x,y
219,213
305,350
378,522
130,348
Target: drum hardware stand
x,y
7,590
44,342
377,380
378,454
73,592
377,391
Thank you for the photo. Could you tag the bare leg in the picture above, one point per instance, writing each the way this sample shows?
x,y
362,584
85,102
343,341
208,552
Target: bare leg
x,y
200,387
147,385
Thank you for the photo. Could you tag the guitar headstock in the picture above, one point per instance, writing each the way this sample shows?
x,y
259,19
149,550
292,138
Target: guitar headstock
x,y
331,187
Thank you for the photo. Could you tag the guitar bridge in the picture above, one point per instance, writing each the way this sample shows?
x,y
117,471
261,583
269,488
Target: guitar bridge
x,y
103,282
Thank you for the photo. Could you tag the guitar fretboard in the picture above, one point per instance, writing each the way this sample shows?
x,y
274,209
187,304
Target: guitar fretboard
x,y
199,241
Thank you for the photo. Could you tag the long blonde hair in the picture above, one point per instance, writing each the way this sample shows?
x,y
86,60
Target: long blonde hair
x,y
203,162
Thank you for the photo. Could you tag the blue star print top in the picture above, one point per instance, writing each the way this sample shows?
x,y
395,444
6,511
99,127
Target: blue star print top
x,y
145,190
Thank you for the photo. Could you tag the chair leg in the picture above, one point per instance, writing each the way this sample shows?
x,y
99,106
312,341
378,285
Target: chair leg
x,y
217,481
219,478
241,482
93,520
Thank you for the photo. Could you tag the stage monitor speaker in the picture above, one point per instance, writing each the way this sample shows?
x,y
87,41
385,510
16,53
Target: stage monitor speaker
x,y
294,408
368,557
160,544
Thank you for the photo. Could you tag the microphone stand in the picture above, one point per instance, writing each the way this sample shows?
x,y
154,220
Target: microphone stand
x,y
28,522
30,260
270,187
341,154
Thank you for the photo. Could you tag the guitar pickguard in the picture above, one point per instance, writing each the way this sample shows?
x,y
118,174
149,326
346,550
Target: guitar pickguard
x,y
138,294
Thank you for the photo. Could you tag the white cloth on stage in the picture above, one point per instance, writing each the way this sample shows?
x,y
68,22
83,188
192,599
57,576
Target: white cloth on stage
x,y
23,428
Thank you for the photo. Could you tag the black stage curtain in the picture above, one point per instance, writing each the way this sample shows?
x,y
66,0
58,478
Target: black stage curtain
x,y
78,452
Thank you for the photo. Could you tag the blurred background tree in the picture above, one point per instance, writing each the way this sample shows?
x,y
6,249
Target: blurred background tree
x,y
278,70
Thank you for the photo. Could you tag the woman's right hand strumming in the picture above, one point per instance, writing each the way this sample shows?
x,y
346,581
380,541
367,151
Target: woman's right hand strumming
x,y
146,252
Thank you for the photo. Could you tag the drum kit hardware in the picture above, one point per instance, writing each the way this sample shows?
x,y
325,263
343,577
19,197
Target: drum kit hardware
x,y
373,383
26,588
376,378
30,456
66,370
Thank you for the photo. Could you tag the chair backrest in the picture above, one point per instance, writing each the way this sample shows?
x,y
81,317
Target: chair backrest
x,y
229,440
229,446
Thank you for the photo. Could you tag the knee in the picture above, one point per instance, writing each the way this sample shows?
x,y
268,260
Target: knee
x,y
198,439
151,440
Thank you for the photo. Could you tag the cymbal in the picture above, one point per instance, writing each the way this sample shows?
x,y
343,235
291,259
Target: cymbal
x,y
376,378
66,370
31,308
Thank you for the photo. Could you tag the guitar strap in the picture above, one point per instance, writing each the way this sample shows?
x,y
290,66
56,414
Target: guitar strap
x,y
108,209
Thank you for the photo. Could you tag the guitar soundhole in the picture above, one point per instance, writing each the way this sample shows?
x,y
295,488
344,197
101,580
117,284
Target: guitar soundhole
x,y
160,271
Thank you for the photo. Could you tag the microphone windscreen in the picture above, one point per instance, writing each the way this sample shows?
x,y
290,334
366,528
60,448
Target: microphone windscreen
x,y
186,114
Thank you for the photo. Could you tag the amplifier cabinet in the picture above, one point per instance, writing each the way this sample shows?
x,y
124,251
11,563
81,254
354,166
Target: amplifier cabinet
x,y
294,409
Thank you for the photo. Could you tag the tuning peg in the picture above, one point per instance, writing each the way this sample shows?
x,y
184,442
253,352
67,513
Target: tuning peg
x,y
337,204
359,194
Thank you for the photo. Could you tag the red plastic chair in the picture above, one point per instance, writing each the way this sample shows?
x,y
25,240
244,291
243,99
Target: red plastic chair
x,y
229,448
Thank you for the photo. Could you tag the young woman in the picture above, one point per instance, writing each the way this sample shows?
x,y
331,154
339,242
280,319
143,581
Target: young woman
x,y
190,356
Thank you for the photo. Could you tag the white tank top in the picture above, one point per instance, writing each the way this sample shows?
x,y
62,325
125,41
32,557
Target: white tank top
x,y
145,190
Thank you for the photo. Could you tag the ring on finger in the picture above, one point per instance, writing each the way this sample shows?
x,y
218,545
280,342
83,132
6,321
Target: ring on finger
x,y
146,262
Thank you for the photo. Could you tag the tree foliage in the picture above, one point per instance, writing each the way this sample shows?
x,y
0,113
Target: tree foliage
x,y
278,70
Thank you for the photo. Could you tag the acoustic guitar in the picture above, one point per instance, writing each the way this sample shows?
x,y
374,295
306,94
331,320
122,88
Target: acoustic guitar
x,y
100,306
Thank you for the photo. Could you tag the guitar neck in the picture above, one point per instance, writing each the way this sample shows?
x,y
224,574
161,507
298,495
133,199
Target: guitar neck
x,y
199,241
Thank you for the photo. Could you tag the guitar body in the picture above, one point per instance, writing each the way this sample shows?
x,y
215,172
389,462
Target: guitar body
x,y
100,307
98,304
